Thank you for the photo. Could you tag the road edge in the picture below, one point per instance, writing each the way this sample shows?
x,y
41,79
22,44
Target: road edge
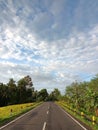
x,y
74,119
17,118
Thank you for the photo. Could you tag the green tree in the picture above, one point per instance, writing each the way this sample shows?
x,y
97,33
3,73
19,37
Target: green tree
x,y
25,89
75,93
28,82
55,95
42,95
22,91
83,96
13,96
34,95
4,94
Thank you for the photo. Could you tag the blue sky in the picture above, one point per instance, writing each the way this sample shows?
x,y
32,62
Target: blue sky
x,y
53,41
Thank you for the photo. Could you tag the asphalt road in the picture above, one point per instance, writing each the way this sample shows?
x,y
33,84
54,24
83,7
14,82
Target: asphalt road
x,y
48,116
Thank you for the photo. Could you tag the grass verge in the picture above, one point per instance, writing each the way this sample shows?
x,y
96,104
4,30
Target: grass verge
x,y
86,122
8,113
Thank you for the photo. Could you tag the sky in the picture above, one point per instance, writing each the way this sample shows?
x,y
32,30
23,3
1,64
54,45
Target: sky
x,y
53,41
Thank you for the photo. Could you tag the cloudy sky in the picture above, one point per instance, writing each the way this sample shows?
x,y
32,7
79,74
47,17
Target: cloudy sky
x,y
53,41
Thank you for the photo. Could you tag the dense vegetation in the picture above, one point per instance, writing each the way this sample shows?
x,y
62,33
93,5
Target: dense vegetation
x,y
23,92
83,96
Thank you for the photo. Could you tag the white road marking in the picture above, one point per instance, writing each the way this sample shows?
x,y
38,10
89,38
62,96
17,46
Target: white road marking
x,y
73,119
47,112
19,118
44,126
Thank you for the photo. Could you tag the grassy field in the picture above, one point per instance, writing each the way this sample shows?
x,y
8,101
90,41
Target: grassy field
x,y
8,113
80,117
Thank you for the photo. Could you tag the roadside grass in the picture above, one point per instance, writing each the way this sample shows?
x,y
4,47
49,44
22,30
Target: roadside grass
x,y
83,118
10,112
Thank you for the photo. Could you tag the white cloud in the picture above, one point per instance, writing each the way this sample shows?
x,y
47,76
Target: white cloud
x,y
33,41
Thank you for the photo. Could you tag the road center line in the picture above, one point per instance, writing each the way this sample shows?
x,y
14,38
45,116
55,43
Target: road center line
x,y
44,126
47,112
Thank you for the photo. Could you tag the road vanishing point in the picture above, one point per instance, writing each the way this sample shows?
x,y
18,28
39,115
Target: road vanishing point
x,y
47,116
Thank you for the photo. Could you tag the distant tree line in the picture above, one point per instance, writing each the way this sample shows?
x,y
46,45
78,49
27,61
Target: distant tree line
x,y
23,92
83,96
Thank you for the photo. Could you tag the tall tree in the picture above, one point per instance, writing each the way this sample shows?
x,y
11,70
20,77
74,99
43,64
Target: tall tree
x,y
22,90
13,96
55,95
28,81
4,94
42,95
25,89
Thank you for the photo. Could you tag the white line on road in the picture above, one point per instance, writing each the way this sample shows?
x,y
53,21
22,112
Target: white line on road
x,y
47,112
44,126
73,119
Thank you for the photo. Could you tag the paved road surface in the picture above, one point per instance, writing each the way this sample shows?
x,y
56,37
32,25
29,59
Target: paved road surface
x,y
48,116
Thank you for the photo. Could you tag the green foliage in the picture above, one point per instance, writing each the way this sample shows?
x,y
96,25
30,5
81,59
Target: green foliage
x,y
83,96
42,95
11,93
4,96
23,92
54,95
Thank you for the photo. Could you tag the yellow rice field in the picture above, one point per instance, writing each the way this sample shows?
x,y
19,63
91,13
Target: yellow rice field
x,y
13,110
